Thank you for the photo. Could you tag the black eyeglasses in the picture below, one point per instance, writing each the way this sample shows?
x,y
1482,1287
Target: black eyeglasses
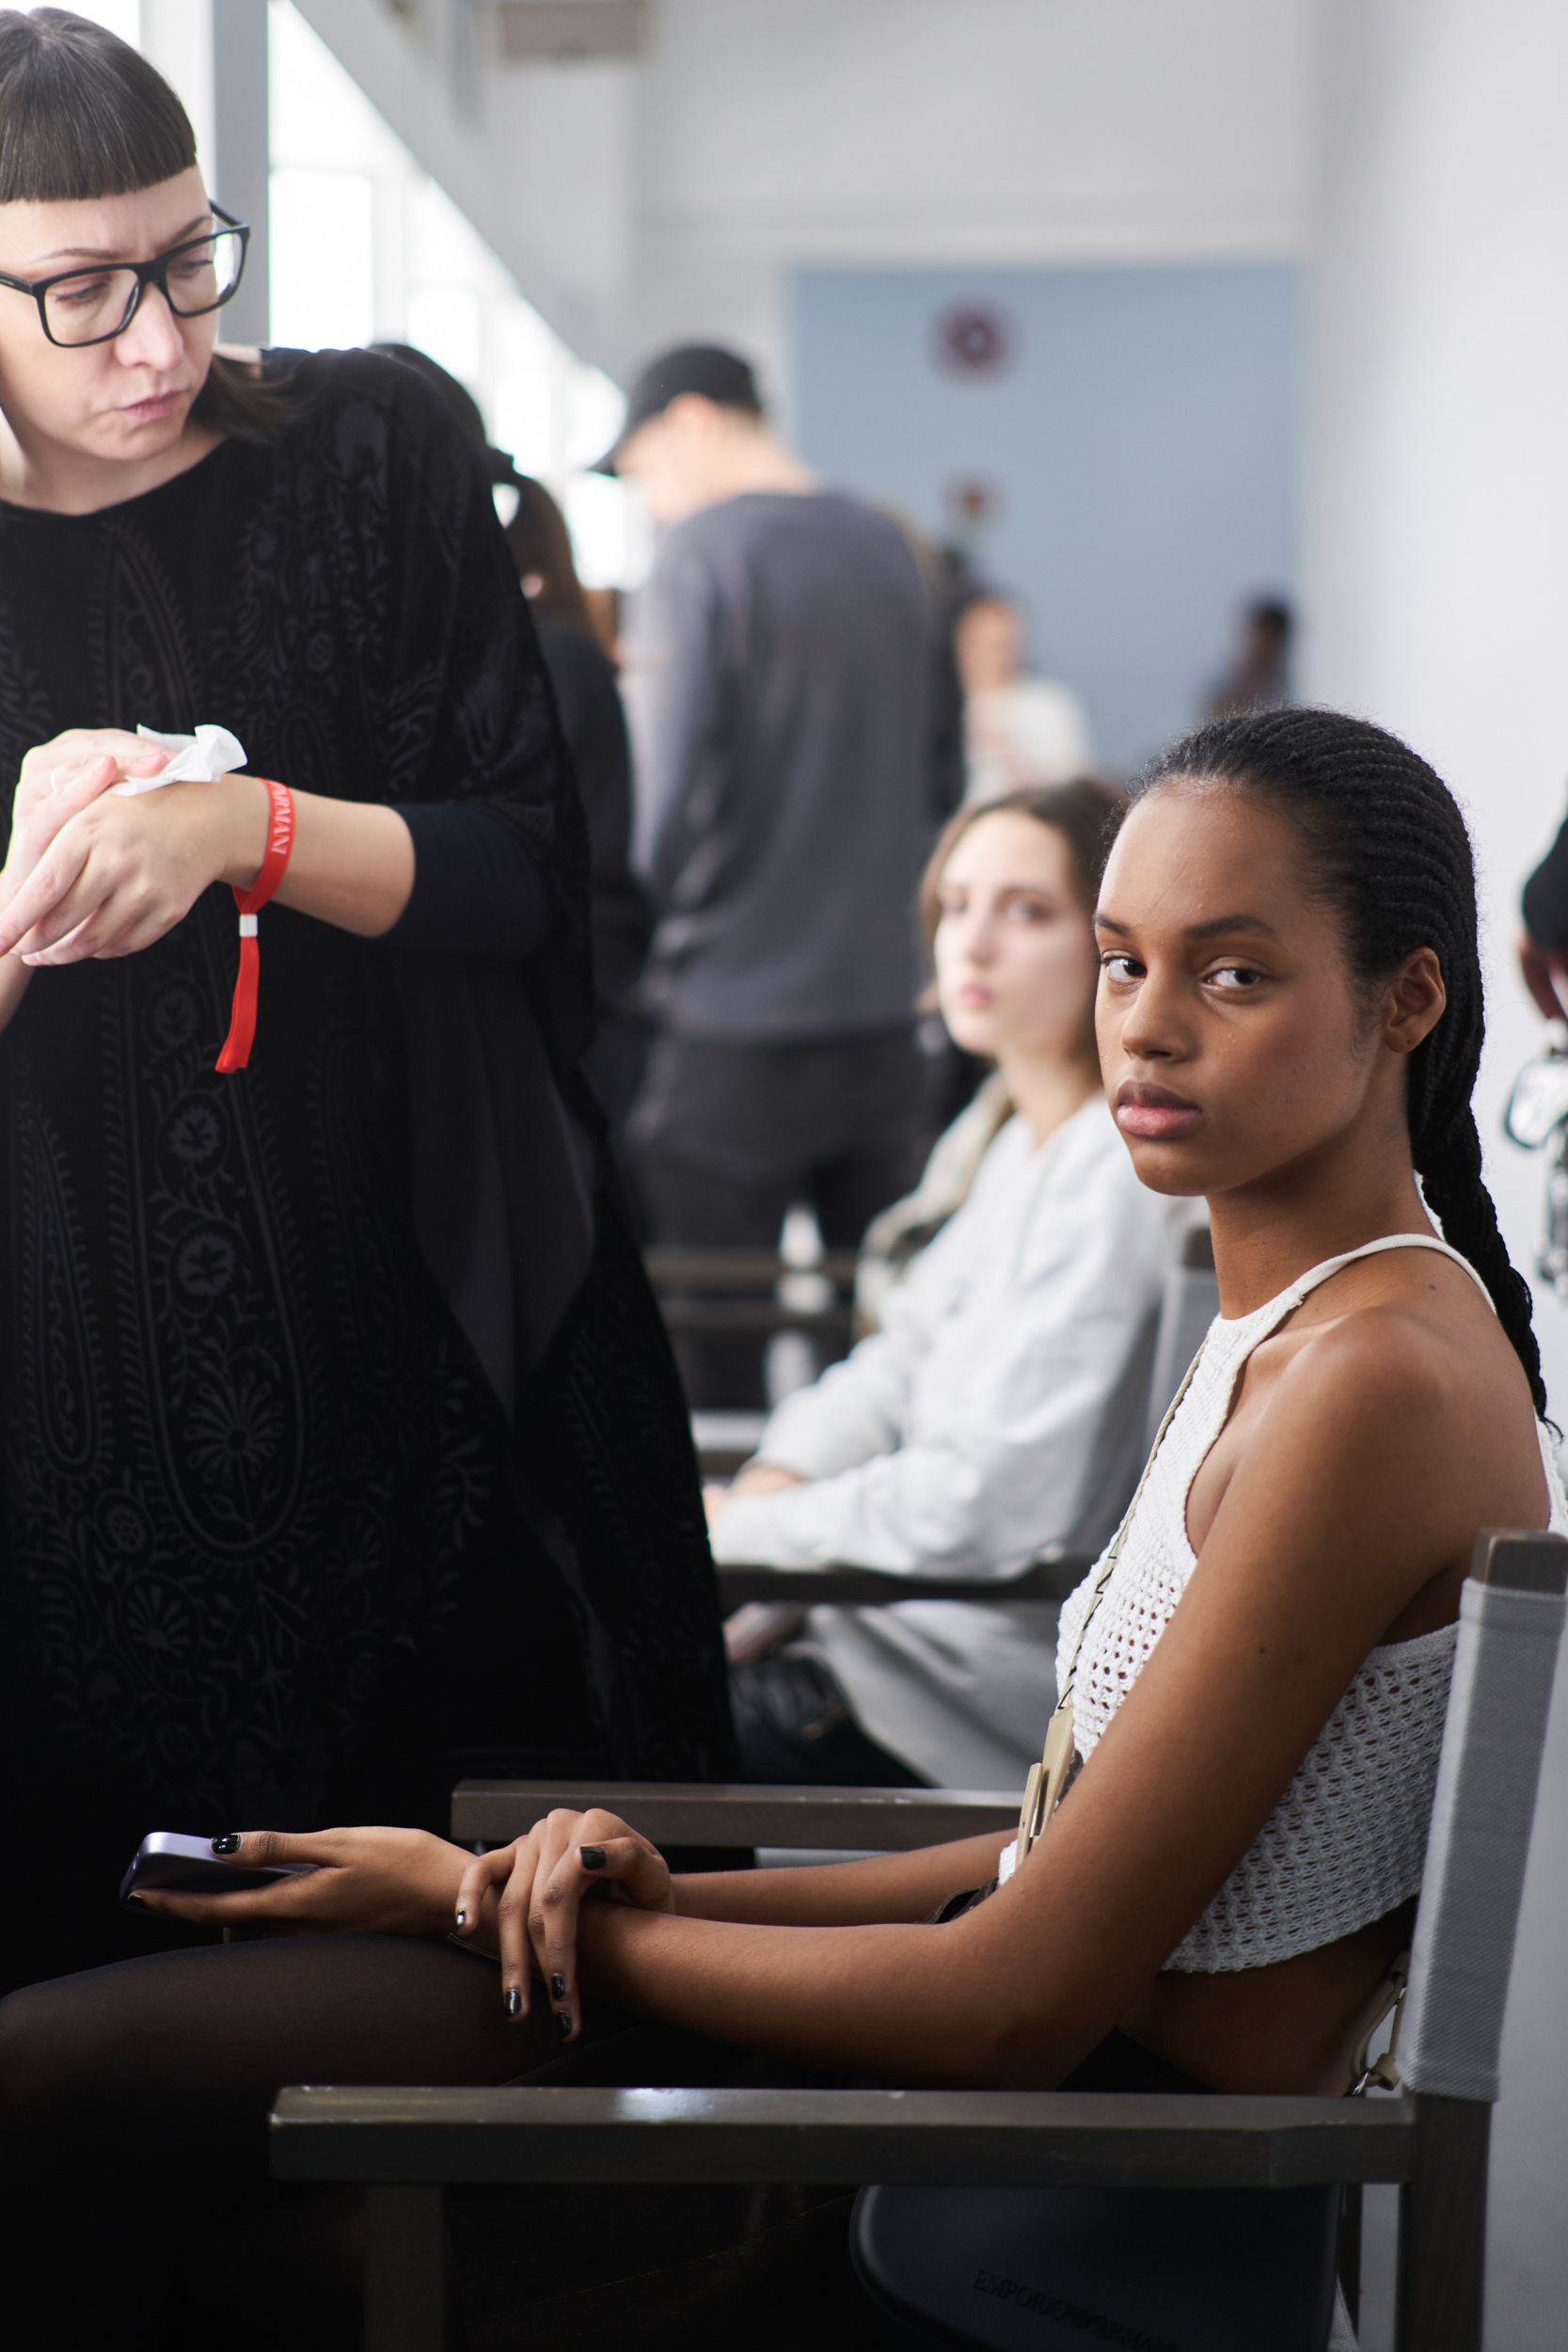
x,y
93,306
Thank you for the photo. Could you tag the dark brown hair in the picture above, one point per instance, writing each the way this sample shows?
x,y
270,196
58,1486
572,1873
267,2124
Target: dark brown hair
x,y
1086,813
537,535
542,550
82,115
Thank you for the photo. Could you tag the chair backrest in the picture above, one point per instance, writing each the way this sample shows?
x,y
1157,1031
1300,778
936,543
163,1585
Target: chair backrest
x,y
1190,1302
1510,1618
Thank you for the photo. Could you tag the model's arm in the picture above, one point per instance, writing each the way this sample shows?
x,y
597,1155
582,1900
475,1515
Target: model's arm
x,y
1376,1456
887,1886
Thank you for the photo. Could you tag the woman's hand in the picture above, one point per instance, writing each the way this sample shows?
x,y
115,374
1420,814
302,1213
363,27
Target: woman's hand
x,y
366,1881
91,874
757,1478
62,777
542,1881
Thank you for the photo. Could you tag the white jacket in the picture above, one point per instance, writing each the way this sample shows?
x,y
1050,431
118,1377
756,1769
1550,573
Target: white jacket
x,y
1001,1407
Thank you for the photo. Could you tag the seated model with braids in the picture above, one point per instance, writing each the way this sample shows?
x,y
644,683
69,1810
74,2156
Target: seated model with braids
x,y
1289,1023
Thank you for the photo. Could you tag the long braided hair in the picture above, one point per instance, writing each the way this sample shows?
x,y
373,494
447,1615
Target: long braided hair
x,y
1392,857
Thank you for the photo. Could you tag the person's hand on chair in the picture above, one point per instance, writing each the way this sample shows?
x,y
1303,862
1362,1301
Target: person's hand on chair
x,y
538,1885
757,1478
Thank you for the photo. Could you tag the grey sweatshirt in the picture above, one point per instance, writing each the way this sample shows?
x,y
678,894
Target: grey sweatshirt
x,y
778,687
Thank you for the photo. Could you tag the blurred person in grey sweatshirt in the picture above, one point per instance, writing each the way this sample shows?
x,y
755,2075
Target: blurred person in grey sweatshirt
x,y
777,672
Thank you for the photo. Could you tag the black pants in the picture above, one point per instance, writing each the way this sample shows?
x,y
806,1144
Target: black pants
x,y
793,1723
726,1137
137,2210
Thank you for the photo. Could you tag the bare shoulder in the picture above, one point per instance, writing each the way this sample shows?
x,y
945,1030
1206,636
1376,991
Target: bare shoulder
x,y
1412,1387
1391,1400
1407,1334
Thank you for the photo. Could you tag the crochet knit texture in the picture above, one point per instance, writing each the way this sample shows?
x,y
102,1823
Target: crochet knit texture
x,y
1347,1840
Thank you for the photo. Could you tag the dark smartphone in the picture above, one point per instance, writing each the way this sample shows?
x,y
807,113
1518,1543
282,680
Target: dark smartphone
x,y
188,1865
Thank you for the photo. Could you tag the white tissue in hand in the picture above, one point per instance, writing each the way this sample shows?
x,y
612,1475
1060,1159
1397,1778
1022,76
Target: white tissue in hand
x,y
210,752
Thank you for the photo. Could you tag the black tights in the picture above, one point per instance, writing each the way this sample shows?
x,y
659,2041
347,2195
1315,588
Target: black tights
x,y
133,2124
138,2212
137,2203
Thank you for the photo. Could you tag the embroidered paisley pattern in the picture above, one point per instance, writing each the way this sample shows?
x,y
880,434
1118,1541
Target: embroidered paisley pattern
x,y
250,1468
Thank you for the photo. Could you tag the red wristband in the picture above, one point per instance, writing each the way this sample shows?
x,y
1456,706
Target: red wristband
x,y
280,840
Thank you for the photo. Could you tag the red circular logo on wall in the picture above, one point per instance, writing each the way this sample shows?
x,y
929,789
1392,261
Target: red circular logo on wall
x,y
974,341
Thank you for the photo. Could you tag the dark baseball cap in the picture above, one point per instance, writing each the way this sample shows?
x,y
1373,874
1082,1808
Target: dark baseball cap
x,y
719,376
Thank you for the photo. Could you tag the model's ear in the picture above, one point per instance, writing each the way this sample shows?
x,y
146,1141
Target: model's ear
x,y
1415,1002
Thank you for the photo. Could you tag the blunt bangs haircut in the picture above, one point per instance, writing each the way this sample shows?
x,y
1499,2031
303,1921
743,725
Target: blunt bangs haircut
x,y
82,115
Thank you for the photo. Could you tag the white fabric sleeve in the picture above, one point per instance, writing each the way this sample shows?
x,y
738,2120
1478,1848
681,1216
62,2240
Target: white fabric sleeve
x,y
854,1411
967,1467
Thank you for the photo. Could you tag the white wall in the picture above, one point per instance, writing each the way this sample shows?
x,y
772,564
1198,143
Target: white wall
x,y
639,204
1437,512
779,133
1437,569
1139,454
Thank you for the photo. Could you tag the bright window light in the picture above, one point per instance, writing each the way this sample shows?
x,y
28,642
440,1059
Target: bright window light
x,y
366,247
323,251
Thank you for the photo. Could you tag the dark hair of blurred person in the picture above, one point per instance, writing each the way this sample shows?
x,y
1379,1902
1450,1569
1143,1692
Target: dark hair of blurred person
x,y
1259,677
542,550
594,723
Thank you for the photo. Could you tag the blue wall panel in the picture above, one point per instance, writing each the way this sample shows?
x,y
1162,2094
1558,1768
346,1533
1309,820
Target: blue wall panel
x,y
1142,444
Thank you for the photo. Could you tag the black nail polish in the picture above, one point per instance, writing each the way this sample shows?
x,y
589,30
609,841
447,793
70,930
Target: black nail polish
x,y
228,1843
590,1857
558,1988
462,1918
136,1902
562,2025
514,2001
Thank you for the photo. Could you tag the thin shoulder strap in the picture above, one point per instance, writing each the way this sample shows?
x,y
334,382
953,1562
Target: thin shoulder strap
x,y
1309,1281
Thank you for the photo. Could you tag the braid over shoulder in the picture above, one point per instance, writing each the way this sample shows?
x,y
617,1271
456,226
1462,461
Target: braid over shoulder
x,y
1393,858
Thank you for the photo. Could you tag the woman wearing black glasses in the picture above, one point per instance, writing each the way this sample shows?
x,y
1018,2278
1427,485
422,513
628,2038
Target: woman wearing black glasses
x,y
343,1452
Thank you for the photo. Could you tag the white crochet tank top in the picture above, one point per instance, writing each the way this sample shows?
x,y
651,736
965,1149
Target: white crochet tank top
x,y
1346,1842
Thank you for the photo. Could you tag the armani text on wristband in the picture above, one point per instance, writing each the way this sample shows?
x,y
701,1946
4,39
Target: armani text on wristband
x,y
280,840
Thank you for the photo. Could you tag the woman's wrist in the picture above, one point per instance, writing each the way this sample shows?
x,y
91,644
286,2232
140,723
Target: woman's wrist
x,y
760,1476
243,809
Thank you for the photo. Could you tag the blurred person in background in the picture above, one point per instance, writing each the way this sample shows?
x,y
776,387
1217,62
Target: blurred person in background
x,y
594,725
778,679
1018,729
1259,677
587,702
1000,1407
1543,940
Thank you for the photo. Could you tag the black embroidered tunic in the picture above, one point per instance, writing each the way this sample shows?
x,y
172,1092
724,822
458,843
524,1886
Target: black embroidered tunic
x,y
343,1452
